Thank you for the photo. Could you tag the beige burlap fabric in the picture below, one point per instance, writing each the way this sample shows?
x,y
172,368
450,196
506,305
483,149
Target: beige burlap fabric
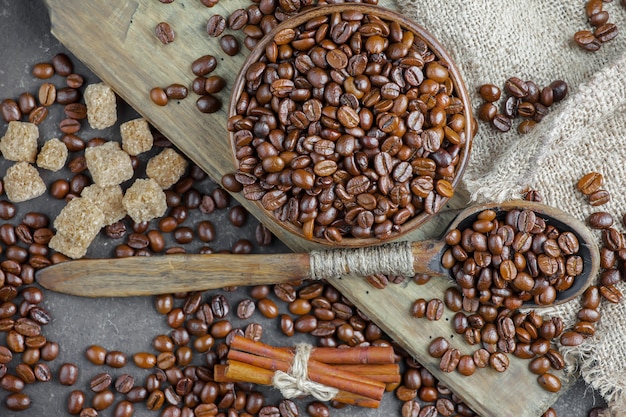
x,y
492,40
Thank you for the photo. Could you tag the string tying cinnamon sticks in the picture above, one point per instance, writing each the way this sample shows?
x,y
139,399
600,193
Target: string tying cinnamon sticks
x,y
347,381
296,382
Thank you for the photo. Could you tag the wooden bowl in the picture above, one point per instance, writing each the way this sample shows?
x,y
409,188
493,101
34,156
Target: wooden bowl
x,y
420,215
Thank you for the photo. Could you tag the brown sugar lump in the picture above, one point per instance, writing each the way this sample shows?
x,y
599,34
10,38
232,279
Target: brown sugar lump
x,y
136,136
76,226
22,182
108,164
19,143
108,199
52,155
101,106
144,200
166,168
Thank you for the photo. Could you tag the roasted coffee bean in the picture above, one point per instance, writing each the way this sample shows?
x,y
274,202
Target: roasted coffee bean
x,y
245,309
501,122
100,382
516,87
549,382
164,33
499,361
316,409
587,40
590,183
103,400
599,197
215,26
43,70
115,359
124,383
600,220
208,104
10,110
434,309
17,402
75,402
96,354
68,374
205,64
158,96
229,44
450,360
489,92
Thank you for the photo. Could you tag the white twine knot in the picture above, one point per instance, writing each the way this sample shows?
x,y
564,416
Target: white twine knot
x,y
296,382
390,259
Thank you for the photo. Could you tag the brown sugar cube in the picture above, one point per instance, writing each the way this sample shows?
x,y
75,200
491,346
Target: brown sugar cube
x,y
19,143
166,168
101,106
144,200
76,226
108,164
52,155
108,199
136,136
22,182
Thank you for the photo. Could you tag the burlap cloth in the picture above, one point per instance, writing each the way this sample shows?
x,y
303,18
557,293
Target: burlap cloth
x,y
492,40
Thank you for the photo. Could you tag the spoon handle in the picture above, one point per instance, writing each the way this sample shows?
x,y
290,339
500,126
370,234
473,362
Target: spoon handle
x,y
140,275
153,275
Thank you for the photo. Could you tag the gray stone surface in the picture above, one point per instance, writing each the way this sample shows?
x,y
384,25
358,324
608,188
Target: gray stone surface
x,y
127,324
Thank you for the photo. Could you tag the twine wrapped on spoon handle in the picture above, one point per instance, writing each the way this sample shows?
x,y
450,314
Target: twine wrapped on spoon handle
x,y
389,259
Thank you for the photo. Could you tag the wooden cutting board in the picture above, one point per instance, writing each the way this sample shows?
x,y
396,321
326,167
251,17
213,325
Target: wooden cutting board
x,y
116,41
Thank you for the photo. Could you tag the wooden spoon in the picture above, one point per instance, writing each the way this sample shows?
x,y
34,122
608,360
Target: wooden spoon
x,y
179,273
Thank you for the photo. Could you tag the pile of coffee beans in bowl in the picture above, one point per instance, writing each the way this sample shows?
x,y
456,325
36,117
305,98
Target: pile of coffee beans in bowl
x,y
350,125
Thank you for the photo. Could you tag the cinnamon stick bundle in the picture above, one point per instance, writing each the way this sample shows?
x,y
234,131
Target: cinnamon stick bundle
x,y
355,380
237,371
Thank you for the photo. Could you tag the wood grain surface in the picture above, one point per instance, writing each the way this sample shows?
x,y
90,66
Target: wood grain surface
x,y
116,41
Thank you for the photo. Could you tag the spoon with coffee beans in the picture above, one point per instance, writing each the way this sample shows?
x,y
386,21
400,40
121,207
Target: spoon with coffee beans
x,y
516,253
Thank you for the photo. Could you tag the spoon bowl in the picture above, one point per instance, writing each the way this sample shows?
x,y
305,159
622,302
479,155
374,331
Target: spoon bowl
x,y
563,222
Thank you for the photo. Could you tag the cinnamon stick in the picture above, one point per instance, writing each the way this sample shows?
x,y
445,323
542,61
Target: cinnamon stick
x,y
382,373
353,355
236,371
262,355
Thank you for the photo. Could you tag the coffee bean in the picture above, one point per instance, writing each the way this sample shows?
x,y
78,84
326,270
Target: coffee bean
x,y
115,359
450,360
102,400
100,382
606,32
438,347
316,409
600,220
164,33
489,92
599,197
516,87
204,65
17,402
587,40
501,122
549,382
43,70
434,309
158,96
215,26
10,110
75,402
245,309
68,374
229,44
